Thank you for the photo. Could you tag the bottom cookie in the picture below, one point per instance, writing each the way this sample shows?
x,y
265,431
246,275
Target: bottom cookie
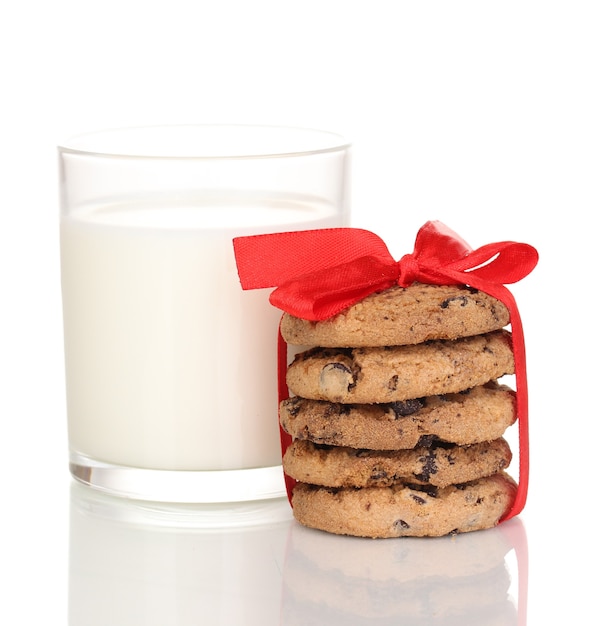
x,y
405,511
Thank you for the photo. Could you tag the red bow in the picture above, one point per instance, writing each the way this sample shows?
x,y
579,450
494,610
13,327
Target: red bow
x,y
318,273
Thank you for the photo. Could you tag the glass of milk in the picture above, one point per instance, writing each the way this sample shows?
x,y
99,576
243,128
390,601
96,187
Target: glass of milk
x,y
171,378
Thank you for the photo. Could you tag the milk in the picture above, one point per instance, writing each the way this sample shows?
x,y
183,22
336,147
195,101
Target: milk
x,y
169,364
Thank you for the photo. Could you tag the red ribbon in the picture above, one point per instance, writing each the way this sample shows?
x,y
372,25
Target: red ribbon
x,y
318,273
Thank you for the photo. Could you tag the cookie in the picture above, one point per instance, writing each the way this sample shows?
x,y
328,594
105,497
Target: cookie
x,y
402,316
397,373
480,414
405,511
438,465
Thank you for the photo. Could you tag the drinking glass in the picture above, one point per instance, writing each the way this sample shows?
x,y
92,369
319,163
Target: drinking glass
x,y
171,379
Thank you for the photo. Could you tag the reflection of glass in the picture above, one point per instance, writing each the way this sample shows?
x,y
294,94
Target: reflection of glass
x,y
134,563
457,580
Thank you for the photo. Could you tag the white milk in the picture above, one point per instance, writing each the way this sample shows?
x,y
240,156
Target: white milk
x,y
170,365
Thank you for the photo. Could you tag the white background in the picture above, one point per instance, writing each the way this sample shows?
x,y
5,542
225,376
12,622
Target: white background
x,y
480,114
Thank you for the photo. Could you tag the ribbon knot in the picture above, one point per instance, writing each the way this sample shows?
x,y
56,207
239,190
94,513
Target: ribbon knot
x,y
408,270
319,273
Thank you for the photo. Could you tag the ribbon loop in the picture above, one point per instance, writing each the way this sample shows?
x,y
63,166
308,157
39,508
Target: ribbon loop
x,y
506,262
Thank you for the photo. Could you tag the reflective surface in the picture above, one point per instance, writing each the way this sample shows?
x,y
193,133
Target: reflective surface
x,y
467,579
140,563
83,558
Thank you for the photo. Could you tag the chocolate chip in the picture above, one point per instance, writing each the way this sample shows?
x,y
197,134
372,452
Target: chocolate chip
x,y
293,406
336,379
418,499
337,366
392,383
429,490
462,300
427,441
377,475
402,523
332,409
429,467
406,407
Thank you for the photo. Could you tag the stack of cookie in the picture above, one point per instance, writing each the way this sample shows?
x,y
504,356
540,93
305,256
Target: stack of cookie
x,y
397,417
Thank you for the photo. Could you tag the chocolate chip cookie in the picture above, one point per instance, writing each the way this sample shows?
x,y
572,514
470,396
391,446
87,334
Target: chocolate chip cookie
x,y
479,414
405,510
402,316
439,465
398,373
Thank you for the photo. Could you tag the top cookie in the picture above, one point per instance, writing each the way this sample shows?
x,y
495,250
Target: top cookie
x,y
402,316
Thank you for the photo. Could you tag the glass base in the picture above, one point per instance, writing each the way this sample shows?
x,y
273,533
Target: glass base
x,y
179,486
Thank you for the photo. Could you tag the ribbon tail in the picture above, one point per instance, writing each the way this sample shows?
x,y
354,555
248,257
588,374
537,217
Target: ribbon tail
x,y
271,260
522,413
518,345
283,394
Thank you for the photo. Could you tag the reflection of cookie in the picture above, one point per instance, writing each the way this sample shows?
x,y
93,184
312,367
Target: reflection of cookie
x,y
366,375
314,596
400,316
438,465
402,511
417,559
482,414
452,580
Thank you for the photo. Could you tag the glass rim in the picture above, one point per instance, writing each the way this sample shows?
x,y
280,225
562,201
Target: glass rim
x,y
204,142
